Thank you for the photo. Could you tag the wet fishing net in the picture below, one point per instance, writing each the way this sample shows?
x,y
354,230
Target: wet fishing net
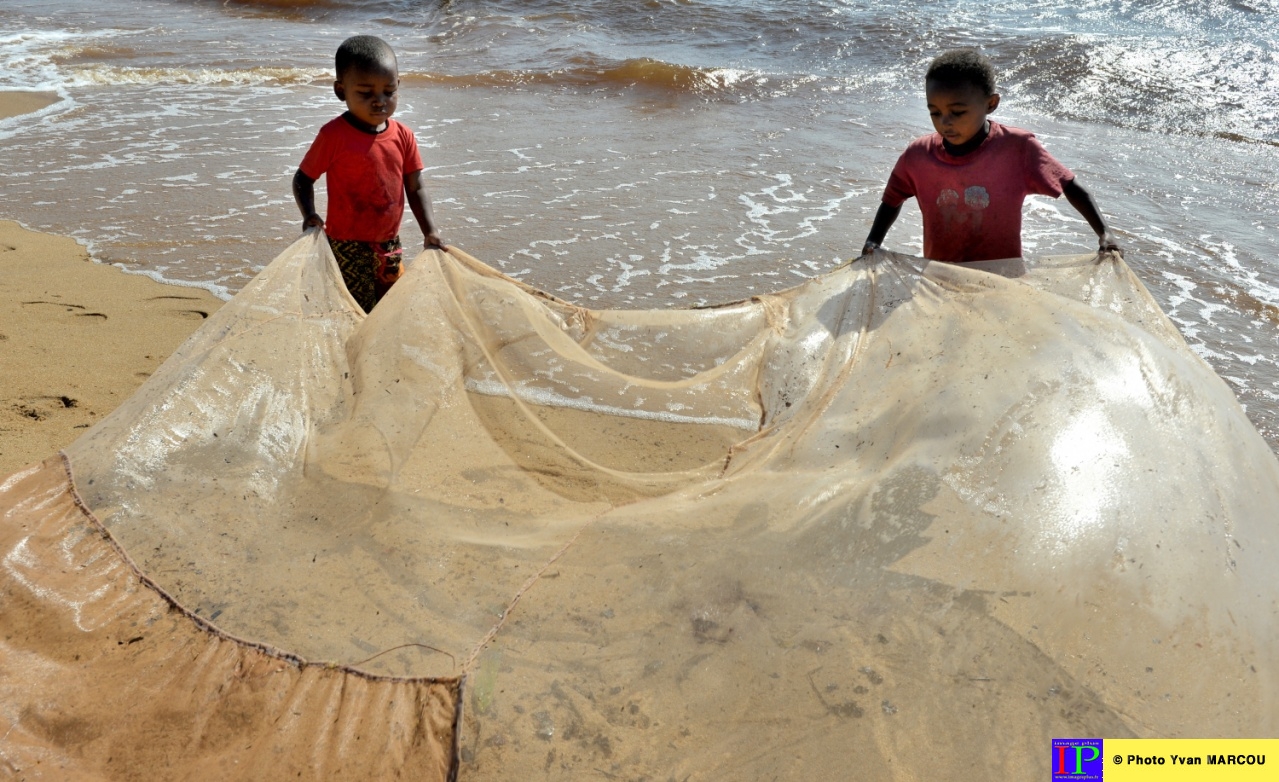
x,y
910,518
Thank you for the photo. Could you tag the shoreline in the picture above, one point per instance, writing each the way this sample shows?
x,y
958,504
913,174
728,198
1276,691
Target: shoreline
x,y
77,338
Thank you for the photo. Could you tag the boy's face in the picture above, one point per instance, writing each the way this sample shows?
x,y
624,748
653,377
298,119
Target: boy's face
x,y
959,111
371,93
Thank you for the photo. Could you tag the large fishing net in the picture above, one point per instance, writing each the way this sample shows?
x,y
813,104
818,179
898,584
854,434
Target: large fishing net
x,y
909,519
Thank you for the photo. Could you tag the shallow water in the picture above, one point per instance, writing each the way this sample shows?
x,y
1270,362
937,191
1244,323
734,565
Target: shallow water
x,y
662,153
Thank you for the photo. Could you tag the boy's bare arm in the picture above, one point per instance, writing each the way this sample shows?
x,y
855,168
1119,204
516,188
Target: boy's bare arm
x,y
884,219
304,194
1081,199
420,202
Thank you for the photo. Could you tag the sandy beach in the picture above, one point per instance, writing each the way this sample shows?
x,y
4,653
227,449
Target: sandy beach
x,y
13,104
76,337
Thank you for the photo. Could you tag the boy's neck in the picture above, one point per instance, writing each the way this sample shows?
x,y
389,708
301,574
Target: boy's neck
x,y
363,126
959,150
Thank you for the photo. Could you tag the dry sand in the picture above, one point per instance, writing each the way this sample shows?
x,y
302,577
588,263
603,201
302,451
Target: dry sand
x,y
76,339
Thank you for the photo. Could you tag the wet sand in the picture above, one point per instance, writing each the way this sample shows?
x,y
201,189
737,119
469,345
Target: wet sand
x,y
14,103
76,339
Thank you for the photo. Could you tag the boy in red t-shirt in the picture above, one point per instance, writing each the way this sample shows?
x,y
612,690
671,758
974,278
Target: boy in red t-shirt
x,y
972,175
373,165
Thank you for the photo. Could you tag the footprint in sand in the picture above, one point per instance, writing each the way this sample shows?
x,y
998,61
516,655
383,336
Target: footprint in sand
x,y
63,304
41,407
187,314
69,308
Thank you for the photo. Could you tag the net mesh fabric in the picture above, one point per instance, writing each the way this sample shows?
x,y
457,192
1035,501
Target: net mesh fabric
x,y
902,504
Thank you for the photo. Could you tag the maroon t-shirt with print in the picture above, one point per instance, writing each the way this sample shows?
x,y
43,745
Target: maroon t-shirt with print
x,y
972,204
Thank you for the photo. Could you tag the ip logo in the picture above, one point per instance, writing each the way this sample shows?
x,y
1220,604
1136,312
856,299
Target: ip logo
x,y
1077,759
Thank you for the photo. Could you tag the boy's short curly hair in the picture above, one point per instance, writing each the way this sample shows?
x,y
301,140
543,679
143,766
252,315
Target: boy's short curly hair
x,y
961,67
363,51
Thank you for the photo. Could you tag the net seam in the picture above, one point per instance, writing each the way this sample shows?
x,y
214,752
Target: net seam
x,y
528,585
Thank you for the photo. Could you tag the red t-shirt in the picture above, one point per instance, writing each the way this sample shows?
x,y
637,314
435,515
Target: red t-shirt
x,y
972,204
365,178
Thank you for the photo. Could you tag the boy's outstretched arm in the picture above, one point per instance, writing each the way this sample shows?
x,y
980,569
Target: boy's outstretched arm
x,y
420,202
884,219
1081,199
304,194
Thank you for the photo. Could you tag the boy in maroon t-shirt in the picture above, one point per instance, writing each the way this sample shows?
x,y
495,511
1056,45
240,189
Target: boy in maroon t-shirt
x,y
373,166
972,175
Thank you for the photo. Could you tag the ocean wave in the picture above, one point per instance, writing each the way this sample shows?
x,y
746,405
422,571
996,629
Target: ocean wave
x,y
23,62
98,74
289,5
78,63
639,73
92,52
1174,85
55,60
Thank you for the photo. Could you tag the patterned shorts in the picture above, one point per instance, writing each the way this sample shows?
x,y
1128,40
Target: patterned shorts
x,y
369,268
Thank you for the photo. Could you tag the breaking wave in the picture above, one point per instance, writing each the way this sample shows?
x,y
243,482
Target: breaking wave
x,y
641,73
